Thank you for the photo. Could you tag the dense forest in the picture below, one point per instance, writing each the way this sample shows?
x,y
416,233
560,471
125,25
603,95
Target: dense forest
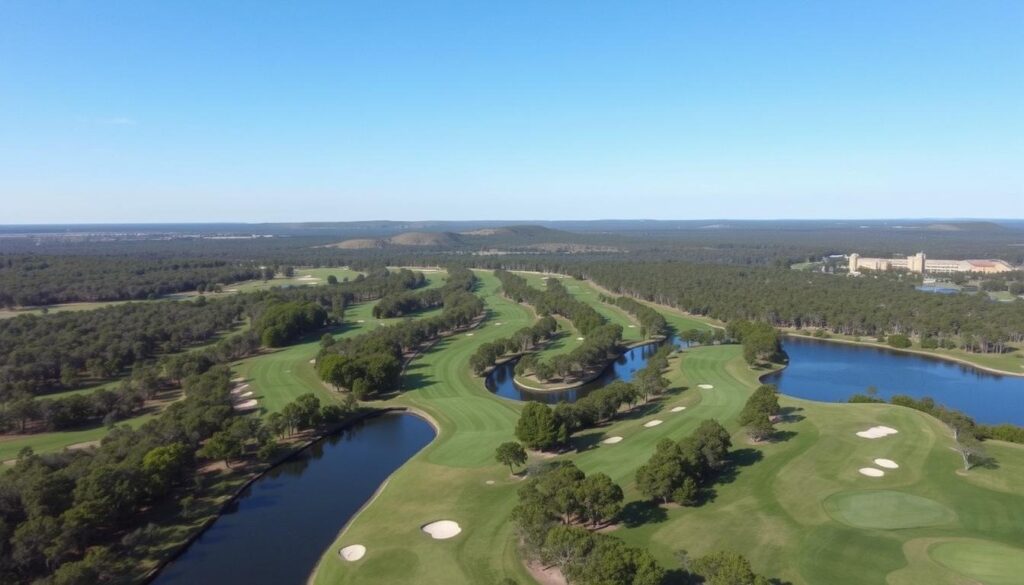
x,y
786,298
47,280
45,353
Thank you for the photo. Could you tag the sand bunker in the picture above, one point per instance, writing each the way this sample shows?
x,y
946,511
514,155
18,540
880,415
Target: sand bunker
x,y
679,409
499,323
705,386
612,440
361,321
246,405
469,335
871,472
240,389
312,361
237,380
652,423
579,339
489,482
631,326
887,463
245,395
353,552
442,529
877,432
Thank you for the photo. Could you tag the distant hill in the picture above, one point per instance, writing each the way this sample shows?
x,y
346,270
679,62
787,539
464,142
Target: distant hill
x,y
424,239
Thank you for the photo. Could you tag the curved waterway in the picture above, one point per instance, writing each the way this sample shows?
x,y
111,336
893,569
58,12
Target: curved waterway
x,y
277,529
501,379
832,372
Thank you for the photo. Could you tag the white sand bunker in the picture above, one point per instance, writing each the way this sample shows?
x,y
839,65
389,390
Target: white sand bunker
x,y
489,482
361,321
498,323
887,463
312,361
237,380
579,339
871,472
245,395
442,529
246,405
612,440
469,335
652,423
353,552
240,389
705,386
631,326
877,432
679,409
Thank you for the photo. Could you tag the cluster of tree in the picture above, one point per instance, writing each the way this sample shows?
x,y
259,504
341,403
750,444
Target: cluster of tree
x,y
554,300
282,322
702,336
967,434
590,356
49,352
760,411
678,471
761,342
652,323
403,303
541,427
723,568
552,517
867,306
371,364
76,410
523,340
44,353
47,280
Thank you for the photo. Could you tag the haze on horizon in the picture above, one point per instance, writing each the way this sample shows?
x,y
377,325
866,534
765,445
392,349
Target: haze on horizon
x,y
183,112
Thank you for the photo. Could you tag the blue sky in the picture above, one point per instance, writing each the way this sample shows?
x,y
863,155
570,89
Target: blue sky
x,y
289,111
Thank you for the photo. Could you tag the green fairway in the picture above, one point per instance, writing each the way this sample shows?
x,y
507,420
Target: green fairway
x,y
989,562
887,510
796,507
57,441
302,277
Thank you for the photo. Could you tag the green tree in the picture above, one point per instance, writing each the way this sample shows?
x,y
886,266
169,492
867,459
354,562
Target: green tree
x,y
221,446
537,428
510,453
600,499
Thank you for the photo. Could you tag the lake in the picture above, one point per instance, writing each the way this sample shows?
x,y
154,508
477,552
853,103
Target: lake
x,y
832,372
277,529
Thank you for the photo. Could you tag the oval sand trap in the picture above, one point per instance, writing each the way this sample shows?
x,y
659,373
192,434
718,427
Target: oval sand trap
x,y
612,440
469,335
705,386
579,339
489,482
442,529
652,423
679,409
353,552
245,394
877,432
887,463
247,405
871,472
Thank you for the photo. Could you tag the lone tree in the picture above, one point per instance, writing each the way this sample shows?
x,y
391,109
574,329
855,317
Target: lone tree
x,y
537,427
511,454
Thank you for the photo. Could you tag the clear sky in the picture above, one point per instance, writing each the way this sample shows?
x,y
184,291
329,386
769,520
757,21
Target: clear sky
x,y
334,111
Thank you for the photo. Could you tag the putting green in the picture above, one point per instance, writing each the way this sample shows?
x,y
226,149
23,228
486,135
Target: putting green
x,y
886,510
990,562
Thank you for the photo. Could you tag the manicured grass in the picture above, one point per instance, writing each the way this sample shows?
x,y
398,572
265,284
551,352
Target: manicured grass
x,y
988,562
886,509
57,441
583,291
771,504
319,276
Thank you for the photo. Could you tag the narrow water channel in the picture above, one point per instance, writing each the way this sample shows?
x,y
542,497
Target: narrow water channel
x,y
277,529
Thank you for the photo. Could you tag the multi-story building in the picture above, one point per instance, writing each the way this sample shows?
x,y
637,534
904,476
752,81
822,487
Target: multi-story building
x,y
920,263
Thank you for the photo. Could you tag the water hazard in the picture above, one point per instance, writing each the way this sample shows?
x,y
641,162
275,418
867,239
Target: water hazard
x,y
277,529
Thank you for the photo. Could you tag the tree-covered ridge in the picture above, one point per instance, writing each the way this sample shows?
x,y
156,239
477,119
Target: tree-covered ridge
x,y
786,298
47,280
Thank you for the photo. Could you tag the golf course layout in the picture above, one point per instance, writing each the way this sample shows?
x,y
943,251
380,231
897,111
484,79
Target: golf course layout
x,y
797,506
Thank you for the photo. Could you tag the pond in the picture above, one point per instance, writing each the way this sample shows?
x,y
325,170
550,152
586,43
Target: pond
x,y
832,372
278,528
500,380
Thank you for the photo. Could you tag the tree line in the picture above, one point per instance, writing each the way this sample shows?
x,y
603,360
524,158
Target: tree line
x,y
652,323
405,302
523,340
786,298
47,280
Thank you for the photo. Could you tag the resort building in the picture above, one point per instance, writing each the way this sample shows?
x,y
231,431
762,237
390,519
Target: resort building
x,y
920,263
